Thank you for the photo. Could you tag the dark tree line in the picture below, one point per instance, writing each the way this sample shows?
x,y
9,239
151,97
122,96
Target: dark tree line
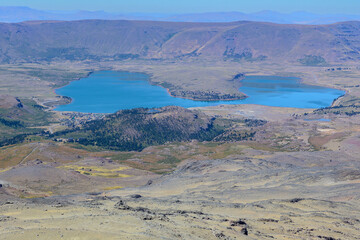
x,y
14,140
11,123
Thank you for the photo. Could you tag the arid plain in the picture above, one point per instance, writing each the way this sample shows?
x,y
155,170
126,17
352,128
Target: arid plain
x,y
274,173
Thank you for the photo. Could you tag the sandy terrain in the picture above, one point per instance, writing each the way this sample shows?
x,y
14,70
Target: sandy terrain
x,y
281,196
296,179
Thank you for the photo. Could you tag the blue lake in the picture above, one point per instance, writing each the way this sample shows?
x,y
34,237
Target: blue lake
x,y
109,91
318,120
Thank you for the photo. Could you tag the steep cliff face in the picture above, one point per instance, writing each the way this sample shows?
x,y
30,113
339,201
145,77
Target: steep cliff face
x,y
117,40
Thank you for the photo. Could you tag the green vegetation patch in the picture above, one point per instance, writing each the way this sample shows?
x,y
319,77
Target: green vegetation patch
x,y
122,156
134,130
311,60
350,110
347,105
245,55
19,122
170,160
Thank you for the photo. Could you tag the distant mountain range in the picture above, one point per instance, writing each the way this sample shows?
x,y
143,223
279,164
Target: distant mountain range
x,y
20,14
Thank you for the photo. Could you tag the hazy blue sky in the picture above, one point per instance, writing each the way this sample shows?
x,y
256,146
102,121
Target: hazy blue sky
x,y
190,6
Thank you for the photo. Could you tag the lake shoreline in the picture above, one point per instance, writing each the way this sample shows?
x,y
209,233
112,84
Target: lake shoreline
x,y
137,90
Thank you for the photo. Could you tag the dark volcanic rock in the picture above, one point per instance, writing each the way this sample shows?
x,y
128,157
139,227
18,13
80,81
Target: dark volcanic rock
x,y
121,205
237,223
244,231
136,196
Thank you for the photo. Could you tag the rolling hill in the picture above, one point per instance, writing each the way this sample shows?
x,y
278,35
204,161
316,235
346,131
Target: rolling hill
x,y
118,40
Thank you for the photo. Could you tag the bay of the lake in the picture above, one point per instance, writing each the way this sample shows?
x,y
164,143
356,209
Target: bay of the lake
x,y
110,91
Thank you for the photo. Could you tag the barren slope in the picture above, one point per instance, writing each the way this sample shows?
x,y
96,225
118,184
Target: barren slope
x,y
116,40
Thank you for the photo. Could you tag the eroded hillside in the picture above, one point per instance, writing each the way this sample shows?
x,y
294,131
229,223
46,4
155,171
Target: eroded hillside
x,y
117,40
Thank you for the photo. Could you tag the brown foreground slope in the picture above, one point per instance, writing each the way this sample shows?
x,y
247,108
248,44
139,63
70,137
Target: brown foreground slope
x,y
252,197
247,190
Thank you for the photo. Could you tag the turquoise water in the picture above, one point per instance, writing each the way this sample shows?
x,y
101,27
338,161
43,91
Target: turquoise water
x,y
109,91
320,120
